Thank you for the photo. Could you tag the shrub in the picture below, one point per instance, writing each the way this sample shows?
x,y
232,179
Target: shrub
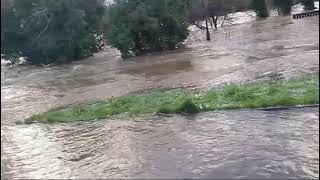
x,y
137,26
51,31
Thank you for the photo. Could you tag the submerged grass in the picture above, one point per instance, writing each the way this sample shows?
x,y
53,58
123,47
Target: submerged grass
x,y
300,91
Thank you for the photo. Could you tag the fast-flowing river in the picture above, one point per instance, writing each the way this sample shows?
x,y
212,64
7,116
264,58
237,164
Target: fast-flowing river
x,y
224,144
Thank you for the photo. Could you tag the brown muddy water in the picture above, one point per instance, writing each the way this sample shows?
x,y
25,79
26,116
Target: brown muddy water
x,y
224,144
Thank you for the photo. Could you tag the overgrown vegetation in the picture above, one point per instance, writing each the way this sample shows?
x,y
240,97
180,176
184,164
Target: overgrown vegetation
x,y
283,6
140,26
308,4
50,31
59,31
260,7
299,91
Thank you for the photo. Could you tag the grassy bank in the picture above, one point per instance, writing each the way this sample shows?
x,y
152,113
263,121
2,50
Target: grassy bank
x,y
304,90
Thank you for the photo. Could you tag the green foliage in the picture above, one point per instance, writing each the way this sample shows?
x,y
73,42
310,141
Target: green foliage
x,y
303,90
140,26
283,6
308,4
50,31
188,107
260,7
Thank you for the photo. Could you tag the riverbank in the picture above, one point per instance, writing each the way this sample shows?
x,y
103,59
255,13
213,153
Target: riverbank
x,y
299,91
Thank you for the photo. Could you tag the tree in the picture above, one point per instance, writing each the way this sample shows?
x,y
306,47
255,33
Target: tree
x,y
283,6
308,4
139,26
50,31
260,7
9,30
211,10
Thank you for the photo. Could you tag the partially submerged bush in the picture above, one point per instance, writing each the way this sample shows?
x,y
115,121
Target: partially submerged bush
x,y
187,106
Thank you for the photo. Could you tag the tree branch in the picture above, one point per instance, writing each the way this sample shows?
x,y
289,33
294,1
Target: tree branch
x,y
45,28
199,26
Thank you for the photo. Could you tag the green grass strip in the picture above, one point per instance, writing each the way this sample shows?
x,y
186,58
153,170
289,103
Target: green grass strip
x,y
300,91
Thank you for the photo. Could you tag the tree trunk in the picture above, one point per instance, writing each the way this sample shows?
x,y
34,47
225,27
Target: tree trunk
x,y
225,17
138,46
215,20
207,29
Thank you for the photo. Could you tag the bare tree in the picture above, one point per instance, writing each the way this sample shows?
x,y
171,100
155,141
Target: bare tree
x,y
209,12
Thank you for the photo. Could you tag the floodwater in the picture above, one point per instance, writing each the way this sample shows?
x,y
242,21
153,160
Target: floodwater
x,y
226,144
237,144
